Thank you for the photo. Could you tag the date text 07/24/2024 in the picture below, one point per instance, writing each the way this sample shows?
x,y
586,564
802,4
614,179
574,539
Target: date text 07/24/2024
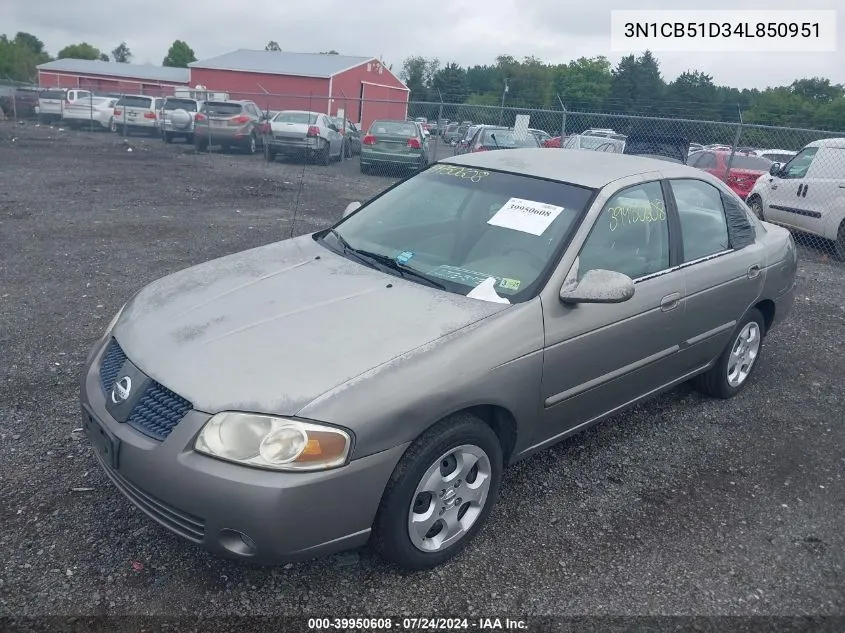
x,y
417,624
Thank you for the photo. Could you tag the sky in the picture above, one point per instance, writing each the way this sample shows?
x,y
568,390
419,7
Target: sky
x,y
463,31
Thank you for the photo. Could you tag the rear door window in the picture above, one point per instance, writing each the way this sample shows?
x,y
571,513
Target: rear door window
x,y
397,128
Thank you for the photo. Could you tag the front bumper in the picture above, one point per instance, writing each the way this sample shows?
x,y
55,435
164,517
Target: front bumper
x,y
230,510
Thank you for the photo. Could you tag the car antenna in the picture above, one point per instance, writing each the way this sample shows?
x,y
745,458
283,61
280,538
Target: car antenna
x,y
493,136
301,180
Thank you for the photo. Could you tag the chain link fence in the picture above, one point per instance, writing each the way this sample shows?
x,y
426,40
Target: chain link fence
x,y
791,176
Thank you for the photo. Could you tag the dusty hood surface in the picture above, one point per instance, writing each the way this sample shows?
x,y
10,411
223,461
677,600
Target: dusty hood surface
x,y
272,328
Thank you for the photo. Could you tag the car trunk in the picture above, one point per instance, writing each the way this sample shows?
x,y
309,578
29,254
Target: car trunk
x,y
220,115
135,110
393,143
743,180
172,105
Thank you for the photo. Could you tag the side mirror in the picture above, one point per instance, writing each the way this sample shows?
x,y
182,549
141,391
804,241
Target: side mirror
x,y
774,170
351,208
597,286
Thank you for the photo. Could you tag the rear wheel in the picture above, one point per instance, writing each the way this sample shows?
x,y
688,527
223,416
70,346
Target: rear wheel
x,y
167,136
839,244
324,155
251,145
440,493
738,361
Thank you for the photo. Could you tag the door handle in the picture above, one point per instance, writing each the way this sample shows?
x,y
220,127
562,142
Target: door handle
x,y
670,302
753,271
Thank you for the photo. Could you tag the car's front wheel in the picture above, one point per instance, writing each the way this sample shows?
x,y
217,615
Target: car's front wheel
x,y
756,205
738,361
440,494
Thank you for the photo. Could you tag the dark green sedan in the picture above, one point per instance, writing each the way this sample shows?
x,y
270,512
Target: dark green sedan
x,y
390,145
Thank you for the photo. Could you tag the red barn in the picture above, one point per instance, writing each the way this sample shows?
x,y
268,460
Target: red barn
x,y
362,87
99,76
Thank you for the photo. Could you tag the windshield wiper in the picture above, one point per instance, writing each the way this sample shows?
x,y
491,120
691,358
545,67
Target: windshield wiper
x,y
389,262
493,136
368,257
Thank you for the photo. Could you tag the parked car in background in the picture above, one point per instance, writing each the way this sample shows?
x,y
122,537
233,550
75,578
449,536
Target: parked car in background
x,y
669,147
228,124
94,112
453,133
601,132
52,102
391,144
303,134
807,193
351,135
588,142
781,156
489,138
462,145
177,118
695,147
136,113
541,135
371,381
744,172
611,146
20,101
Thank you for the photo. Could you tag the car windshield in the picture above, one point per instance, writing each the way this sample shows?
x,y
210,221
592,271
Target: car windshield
x,y
213,108
507,139
458,226
778,158
757,163
181,104
303,118
591,142
397,128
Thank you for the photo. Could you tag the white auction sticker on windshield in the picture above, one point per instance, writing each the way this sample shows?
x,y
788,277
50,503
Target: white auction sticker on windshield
x,y
527,216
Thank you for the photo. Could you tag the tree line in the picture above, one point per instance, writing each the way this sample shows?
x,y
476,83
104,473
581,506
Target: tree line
x,y
21,55
634,86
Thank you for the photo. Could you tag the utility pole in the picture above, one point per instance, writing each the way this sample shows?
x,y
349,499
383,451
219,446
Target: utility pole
x,y
502,108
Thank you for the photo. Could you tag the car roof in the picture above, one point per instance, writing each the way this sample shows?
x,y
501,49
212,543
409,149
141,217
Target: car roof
x,y
838,143
589,169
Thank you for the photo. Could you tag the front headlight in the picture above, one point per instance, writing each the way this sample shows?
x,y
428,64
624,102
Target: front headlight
x,y
264,441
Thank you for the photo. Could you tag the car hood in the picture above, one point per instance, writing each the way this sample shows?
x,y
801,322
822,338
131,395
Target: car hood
x,y
272,328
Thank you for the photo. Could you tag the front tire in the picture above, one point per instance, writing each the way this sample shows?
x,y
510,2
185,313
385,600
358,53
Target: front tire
x,y
839,243
440,493
738,361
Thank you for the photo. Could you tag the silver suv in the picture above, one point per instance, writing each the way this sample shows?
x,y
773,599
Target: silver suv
x,y
176,118
136,113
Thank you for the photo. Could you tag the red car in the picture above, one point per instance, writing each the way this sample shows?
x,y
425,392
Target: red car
x,y
555,141
745,168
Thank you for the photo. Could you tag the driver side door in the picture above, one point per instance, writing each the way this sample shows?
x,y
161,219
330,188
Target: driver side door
x,y
599,358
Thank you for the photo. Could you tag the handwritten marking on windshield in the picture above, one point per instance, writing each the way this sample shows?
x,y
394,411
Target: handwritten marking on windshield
x,y
626,216
473,175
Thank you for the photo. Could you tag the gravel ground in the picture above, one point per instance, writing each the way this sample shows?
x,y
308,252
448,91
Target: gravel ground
x,y
682,506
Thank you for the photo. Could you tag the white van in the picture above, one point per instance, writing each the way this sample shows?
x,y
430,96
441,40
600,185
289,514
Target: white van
x,y
807,193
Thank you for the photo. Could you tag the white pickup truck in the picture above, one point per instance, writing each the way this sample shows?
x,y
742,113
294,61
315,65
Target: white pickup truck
x,y
52,102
